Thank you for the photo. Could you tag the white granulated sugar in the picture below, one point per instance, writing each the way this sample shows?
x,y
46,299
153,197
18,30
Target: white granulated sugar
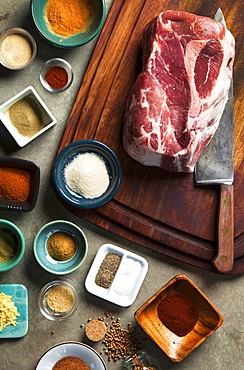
x,y
126,276
87,175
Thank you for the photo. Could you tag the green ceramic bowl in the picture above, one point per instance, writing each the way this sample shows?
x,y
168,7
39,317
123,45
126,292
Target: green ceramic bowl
x,y
8,228
91,29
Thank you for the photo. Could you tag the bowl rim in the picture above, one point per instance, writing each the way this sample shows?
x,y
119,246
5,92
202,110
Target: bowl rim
x,y
9,265
94,203
65,222
59,44
22,31
76,343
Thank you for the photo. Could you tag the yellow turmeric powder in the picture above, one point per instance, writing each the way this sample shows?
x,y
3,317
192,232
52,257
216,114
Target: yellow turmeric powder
x,y
68,17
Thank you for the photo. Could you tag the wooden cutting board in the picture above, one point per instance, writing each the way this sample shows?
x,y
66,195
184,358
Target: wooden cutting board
x,y
162,211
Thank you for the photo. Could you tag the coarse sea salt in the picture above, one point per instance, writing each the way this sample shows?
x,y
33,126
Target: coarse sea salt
x,y
125,278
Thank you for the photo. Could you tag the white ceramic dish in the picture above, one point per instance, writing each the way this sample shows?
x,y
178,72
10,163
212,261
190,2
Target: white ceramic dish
x,y
123,289
81,350
48,118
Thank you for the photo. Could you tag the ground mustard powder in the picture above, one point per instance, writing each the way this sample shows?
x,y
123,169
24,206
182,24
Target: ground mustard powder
x,y
60,298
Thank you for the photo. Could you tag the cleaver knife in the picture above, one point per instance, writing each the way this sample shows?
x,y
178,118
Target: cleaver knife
x,y
215,167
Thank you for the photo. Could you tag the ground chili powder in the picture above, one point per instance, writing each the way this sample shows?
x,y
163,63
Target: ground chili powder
x,y
70,363
178,313
14,184
57,77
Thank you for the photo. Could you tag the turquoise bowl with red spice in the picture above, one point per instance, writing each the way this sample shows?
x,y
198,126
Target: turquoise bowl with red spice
x,y
10,229
172,335
91,28
30,167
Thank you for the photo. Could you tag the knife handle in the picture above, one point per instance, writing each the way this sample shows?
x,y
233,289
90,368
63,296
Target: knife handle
x,y
224,259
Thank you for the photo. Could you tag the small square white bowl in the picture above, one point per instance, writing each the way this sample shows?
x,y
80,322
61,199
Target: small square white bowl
x,y
120,292
48,118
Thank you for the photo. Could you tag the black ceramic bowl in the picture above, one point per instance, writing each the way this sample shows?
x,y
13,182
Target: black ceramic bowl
x,y
33,168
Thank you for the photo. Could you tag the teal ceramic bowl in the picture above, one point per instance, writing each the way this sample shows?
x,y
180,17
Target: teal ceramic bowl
x,y
89,31
11,233
44,258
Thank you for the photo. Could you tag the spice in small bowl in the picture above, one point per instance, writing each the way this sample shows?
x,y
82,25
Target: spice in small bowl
x,y
56,75
19,184
61,246
17,48
57,300
26,116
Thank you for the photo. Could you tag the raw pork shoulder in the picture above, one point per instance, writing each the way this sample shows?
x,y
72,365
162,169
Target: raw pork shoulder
x,y
176,103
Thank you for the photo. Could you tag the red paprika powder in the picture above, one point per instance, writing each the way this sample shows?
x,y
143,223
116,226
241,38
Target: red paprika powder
x,y
14,183
178,313
70,363
57,77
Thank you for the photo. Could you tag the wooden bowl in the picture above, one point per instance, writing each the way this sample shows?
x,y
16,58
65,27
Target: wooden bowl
x,y
175,347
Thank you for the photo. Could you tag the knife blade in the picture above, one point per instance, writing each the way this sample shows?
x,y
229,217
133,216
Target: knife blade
x,y
215,167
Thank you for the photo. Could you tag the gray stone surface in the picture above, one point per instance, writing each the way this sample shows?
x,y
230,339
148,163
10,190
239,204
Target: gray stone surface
x,y
223,350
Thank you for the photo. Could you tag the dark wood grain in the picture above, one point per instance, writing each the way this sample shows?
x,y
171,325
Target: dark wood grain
x,y
159,210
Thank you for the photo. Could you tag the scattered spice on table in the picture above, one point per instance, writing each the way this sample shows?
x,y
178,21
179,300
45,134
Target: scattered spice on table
x,y
14,183
68,17
95,330
8,244
107,270
60,298
26,117
61,246
16,50
178,313
57,77
120,343
8,311
87,175
70,363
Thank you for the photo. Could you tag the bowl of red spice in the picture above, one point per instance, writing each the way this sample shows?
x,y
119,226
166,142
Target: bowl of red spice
x,y
68,24
71,355
12,245
19,184
56,75
179,317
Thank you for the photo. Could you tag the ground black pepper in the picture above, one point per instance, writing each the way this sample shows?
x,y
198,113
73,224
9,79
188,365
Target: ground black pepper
x,y
107,270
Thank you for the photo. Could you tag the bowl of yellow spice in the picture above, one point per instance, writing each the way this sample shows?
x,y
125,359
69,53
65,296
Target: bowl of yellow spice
x,y
60,247
12,245
69,23
57,300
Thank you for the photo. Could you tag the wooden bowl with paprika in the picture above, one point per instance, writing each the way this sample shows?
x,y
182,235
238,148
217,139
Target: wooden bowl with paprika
x,y
19,184
178,318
